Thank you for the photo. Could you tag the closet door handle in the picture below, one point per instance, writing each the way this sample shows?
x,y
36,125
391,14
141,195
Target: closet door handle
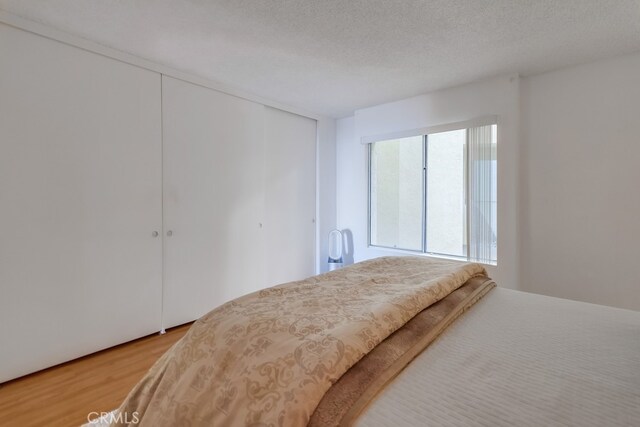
x,y
169,233
155,234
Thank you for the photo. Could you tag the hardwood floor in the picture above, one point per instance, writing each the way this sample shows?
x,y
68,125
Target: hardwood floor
x,y
64,395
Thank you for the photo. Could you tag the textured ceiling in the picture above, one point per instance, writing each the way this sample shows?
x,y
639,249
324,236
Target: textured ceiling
x,y
332,57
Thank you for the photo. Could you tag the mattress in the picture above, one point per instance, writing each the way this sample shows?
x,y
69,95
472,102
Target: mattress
x,y
521,359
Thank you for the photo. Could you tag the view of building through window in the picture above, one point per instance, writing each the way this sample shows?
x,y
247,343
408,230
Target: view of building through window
x,y
396,193
446,213
436,193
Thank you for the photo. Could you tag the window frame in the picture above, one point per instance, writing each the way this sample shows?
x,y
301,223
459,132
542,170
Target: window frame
x,y
484,121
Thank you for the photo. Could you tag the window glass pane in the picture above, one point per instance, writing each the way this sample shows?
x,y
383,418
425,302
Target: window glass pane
x,y
396,193
446,210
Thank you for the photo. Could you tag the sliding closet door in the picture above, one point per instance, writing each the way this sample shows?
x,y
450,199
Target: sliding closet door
x,y
80,199
290,196
213,199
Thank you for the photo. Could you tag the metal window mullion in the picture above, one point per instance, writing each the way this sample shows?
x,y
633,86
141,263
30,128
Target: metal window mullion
x,y
483,223
468,195
369,207
487,196
425,154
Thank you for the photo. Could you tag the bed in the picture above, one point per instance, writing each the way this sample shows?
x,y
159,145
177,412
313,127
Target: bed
x,y
400,341
522,359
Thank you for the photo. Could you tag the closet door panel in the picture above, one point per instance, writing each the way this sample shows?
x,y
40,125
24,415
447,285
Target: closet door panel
x,y
80,196
213,199
290,196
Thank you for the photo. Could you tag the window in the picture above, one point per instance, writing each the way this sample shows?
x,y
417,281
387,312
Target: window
x,y
436,193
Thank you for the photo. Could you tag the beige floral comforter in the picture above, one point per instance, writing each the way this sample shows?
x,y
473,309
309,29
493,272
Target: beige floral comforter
x,y
267,359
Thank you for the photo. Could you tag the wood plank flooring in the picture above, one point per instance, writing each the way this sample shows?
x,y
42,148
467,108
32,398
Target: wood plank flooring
x,y
64,395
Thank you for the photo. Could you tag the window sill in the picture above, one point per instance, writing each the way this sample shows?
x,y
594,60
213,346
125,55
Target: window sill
x,y
430,255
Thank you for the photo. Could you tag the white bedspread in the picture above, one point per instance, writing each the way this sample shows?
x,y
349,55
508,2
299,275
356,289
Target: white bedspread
x,y
519,359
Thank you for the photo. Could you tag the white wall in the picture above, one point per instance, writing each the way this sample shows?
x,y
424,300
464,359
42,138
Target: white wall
x,y
580,225
498,96
326,189
569,190
351,190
